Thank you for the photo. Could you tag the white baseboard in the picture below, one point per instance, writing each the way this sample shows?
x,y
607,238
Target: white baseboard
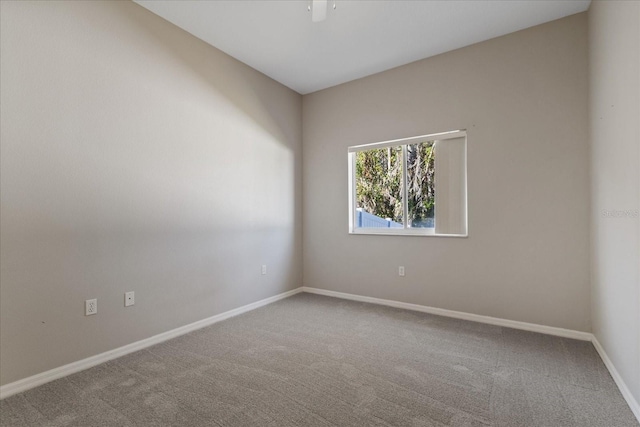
x,y
62,371
549,330
626,393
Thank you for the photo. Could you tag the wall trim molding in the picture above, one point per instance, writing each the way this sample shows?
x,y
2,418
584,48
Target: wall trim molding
x,y
532,327
626,393
80,365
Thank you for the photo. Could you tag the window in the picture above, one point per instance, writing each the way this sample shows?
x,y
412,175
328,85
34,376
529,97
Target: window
x,y
415,186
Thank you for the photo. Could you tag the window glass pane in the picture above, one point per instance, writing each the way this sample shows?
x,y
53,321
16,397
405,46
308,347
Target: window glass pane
x,y
379,188
421,195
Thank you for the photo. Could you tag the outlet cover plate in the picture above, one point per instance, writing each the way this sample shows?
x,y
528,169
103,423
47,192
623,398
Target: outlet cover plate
x,y
90,307
129,299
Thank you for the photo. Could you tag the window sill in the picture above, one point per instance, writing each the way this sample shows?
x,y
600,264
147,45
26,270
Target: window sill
x,y
410,232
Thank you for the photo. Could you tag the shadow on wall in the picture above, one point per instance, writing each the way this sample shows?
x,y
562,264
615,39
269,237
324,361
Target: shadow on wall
x,y
250,91
258,97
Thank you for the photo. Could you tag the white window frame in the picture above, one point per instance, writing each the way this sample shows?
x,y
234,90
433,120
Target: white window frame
x,y
403,142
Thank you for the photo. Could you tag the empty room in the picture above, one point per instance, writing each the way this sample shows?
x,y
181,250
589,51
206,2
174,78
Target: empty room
x,y
320,213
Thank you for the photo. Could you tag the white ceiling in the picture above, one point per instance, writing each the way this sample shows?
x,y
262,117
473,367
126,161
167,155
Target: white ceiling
x,y
358,38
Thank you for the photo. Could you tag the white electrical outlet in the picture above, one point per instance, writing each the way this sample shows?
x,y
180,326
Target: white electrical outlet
x,y
90,307
129,298
401,270
264,269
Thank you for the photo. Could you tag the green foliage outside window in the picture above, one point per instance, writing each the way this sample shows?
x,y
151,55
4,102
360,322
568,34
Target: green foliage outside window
x,y
379,182
421,182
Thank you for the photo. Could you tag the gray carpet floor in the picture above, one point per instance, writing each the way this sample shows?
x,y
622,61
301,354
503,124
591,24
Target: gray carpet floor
x,y
311,360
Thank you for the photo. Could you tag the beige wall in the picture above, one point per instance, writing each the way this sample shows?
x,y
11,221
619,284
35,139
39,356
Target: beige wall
x,y
523,100
134,157
614,52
